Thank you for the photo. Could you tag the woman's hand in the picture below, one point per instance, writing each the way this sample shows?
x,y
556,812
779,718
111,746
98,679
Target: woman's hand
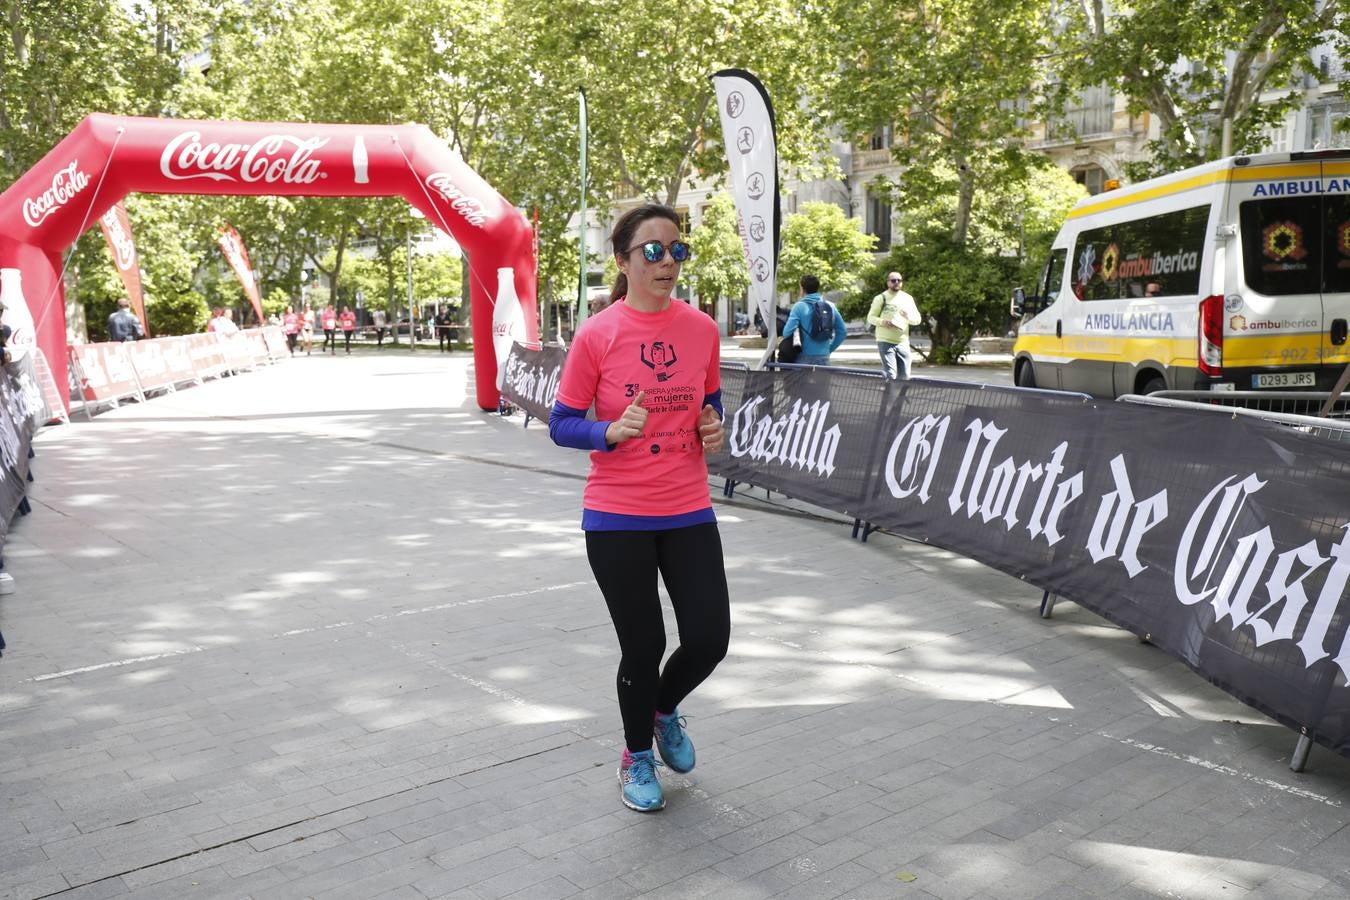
x,y
710,429
630,424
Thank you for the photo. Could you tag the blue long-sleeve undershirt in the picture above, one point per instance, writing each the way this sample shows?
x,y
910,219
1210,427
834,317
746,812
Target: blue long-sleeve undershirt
x,y
569,427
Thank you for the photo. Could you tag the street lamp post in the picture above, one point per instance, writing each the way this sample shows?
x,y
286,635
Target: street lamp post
x,y
412,319
412,315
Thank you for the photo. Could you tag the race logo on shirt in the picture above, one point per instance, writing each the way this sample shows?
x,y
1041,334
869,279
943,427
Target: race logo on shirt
x,y
659,358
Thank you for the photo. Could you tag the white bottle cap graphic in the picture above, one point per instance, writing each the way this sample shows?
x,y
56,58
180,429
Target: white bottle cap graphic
x,y
360,162
508,320
22,335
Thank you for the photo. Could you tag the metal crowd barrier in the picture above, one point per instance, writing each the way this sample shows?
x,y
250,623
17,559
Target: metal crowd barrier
x,y
1295,403
1291,409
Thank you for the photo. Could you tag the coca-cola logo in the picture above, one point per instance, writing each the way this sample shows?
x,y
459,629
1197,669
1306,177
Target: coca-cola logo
x,y
275,158
124,250
470,208
65,184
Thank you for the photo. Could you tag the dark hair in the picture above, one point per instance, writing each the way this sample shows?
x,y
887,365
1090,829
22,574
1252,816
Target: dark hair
x,y
623,232
811,284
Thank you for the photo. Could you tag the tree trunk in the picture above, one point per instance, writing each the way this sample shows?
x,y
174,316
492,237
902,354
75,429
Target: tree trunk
x,y
337,266
964,200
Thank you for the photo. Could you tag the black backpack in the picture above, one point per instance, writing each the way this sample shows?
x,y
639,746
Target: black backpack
x,y
822,320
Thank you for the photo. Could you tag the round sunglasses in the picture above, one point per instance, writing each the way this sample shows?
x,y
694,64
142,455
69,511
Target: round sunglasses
x,y
655,251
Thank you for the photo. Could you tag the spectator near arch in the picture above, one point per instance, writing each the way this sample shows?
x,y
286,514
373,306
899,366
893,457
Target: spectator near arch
x,y
107,157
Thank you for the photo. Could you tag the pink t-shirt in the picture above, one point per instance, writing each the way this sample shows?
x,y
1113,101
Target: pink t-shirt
x,y
673,355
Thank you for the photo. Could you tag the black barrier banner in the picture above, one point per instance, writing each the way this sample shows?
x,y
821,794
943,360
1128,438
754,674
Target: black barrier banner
x,y
1226,541
809,435
532,376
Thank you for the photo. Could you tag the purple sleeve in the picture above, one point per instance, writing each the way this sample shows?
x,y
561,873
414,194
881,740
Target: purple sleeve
x,y
715,398
569,427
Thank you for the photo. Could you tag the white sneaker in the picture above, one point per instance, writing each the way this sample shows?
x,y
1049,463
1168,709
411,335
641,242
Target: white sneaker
x,y
6,583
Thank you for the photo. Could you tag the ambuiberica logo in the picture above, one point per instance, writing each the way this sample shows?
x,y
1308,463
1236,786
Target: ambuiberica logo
x,y
1240,323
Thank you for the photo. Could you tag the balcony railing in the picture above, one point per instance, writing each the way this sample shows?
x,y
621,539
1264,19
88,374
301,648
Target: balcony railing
x,y
871,160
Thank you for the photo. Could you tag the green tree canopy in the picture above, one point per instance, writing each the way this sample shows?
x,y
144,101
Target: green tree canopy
x,y
820,240
1213,60
717,267
950,77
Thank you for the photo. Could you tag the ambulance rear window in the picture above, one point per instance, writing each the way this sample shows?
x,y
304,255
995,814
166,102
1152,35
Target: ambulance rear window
x,y
1336,269
1282,245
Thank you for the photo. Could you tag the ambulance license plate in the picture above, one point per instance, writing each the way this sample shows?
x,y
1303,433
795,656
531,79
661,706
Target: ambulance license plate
x,y
1283,380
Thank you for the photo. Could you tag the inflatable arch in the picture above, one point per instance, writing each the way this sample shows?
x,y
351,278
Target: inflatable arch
x,y
107,157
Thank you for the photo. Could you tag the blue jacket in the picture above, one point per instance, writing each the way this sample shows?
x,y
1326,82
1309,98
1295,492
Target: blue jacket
x,y
800,318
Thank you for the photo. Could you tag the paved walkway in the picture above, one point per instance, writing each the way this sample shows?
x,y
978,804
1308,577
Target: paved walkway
x,y
327,630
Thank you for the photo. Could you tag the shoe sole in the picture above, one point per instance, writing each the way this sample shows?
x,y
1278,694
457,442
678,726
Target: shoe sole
x,y
633,806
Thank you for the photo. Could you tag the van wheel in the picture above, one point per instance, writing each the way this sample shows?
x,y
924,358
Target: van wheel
x,y
1026,376
1153,384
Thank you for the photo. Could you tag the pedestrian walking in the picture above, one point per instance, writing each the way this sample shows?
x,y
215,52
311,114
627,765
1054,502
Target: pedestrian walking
x,y
646,508
444,321
123,324
348,322
819,323
892,312
378,317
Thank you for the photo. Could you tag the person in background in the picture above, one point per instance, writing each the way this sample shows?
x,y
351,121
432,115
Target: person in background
x,y
329,329
892,312
348,320
307,329
444,319
290,326
379,320
123,324
818,321
649,365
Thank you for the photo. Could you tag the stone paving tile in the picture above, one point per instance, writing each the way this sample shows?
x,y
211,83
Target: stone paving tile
x,y
421,704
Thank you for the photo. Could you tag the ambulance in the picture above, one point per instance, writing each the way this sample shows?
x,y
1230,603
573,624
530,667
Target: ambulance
x,y
1233,275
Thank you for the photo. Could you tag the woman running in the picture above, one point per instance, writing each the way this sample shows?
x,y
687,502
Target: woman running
x,y
650,365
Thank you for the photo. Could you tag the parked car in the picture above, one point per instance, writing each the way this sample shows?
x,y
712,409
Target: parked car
x,y
403,328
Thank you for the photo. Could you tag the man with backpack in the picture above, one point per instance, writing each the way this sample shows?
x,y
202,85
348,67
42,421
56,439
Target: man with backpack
x,y
821,327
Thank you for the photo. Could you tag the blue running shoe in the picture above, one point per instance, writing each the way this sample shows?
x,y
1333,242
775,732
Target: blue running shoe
x,y
637,782
676,748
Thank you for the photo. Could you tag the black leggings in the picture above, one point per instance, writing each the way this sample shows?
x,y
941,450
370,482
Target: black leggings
x,y
347,338
689,559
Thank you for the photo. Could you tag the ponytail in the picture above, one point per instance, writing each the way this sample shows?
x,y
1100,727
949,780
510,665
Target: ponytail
x,y
620,288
